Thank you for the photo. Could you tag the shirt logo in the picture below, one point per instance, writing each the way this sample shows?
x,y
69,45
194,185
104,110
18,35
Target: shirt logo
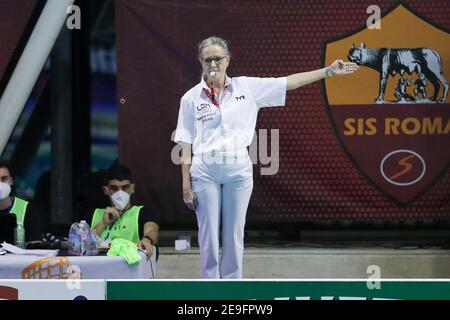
x,y
240,98
205,112
203,106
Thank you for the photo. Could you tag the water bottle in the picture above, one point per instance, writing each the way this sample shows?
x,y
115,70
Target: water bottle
x,y
91,243
88,243
19,236
84,235
74,240
81,240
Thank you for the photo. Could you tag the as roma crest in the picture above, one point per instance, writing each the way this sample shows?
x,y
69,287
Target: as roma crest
x,y
393,116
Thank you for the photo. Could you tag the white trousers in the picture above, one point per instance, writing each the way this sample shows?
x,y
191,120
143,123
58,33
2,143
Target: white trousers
x,y
223,191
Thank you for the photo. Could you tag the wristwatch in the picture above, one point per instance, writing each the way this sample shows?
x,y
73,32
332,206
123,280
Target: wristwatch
x,y
329,72
147,237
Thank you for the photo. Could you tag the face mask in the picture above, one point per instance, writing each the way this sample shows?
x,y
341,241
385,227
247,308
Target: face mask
x,y
120,199
5,190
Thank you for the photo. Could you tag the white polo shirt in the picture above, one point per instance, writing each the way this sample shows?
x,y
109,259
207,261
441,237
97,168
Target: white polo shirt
x,y
231,125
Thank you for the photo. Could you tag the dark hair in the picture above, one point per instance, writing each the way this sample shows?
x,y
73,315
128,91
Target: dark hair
x,y
5,164
118,172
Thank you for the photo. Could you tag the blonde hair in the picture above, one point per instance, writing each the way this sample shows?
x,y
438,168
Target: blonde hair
x,y
213,41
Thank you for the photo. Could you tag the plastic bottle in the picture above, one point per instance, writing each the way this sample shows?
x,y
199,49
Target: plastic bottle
x,y
74,240
19,236
89,244
81,240
84,235
94,242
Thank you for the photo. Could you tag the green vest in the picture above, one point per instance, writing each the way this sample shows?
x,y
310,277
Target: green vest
x,y
19,209
127,226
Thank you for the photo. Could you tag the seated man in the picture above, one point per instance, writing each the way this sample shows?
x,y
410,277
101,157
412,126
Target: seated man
x,y
10,204
138,224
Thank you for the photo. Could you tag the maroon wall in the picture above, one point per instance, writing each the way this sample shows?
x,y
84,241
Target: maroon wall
x,y
317,180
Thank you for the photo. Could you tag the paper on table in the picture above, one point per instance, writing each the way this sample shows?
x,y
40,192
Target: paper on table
x,y
34,252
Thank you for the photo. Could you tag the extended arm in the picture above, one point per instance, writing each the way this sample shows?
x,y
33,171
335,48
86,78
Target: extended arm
x,y
338,67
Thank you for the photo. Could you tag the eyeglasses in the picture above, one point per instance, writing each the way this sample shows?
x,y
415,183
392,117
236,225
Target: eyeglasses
x,y
209,60
114,188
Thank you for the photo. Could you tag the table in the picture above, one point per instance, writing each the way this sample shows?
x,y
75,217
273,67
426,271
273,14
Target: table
x,y
75,267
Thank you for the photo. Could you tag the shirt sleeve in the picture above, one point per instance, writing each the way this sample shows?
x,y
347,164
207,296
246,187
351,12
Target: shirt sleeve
x,y
186,124
268,92
147,214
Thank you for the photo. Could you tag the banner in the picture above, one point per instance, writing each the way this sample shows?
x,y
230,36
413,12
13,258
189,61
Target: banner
x,y
52,289
368,146
279,290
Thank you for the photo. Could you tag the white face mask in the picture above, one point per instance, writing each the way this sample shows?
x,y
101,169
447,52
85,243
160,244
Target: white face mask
x,y
5,190
120,199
